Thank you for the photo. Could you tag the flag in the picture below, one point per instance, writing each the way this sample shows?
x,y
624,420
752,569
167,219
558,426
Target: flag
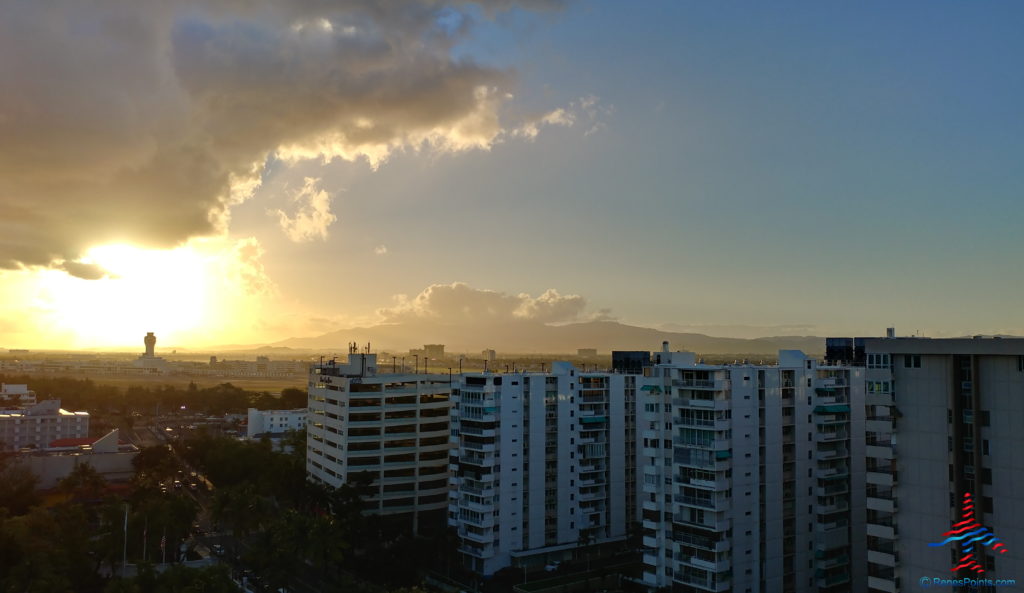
x,y
163,543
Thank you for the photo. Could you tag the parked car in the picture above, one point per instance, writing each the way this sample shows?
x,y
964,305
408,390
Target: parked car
x,y
553,566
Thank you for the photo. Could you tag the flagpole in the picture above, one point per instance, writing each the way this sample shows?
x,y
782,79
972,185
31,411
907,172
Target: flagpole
x,y
145,534
163,547
124,555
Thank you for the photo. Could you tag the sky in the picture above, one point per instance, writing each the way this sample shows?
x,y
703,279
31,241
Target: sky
x,y
242,172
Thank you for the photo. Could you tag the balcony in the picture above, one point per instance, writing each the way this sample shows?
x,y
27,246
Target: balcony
x,y
711,384
481,447
480,538
705,404
487,521
831,436
482,552
883,426
679,421
878,399
708,504
721,483
879,478
833,580
825,563
833,539
882,531
830,454
881,504
709,523
476,506
838,507
709,583
480,432
882,584
831,527
882,558
489,491
701,563
716,444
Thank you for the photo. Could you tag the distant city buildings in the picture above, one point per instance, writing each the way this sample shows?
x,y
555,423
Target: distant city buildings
x,y
148,364
392,427
36,426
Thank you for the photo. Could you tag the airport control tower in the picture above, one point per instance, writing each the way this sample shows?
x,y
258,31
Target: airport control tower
x,y
150,341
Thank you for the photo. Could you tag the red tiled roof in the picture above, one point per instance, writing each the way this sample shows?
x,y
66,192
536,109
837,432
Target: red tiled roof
x,y
74,442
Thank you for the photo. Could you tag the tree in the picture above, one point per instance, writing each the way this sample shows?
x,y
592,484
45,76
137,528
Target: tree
x,y
84,483
47,551
17,487
294,398
157,463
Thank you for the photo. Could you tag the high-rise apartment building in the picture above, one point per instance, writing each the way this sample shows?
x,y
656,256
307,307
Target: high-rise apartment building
x,y
752,475
541,466
944,420
394,426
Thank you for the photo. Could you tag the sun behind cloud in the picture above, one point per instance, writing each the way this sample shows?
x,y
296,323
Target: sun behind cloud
x,y
206,291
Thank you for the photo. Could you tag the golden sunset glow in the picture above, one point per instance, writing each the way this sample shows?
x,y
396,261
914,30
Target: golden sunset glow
x,y
206,291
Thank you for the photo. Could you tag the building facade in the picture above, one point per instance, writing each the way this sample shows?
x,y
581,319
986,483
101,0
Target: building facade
x,y
36,426
274,422
392,426
14,396
541,465
944,421
752,475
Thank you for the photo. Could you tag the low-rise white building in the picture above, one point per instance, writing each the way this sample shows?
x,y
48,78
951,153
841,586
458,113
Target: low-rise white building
x,y
13,396
38,425
108,455
274,422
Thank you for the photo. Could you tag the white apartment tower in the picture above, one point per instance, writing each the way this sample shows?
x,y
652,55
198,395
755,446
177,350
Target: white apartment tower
x,y
753,475
944,420
540,467
394,426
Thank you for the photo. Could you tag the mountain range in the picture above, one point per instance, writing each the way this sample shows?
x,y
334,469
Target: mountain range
x,y
524,337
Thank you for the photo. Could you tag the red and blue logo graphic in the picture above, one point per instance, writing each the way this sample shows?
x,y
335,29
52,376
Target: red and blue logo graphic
x,y
969,533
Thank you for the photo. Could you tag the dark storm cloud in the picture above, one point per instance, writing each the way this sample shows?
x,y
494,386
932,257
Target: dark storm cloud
x,y
144,122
